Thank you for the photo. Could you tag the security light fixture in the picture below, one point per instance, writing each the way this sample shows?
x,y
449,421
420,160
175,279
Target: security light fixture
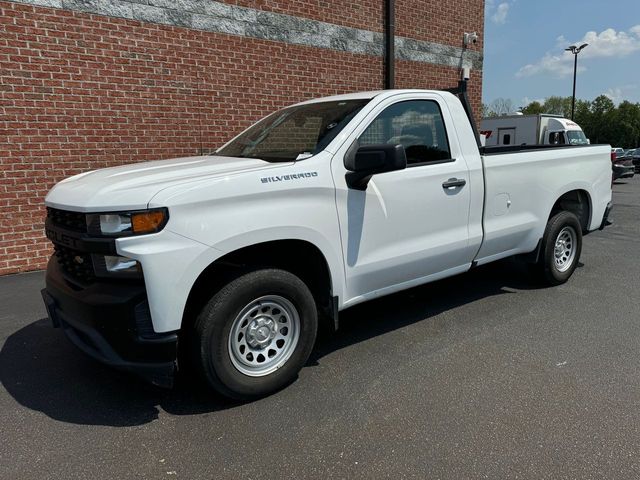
x,y
470,38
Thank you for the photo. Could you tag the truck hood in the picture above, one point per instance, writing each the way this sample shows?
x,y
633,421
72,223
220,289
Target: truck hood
x,y
131,187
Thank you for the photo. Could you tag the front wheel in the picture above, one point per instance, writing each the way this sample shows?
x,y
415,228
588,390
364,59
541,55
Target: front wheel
x,y
561,248
255,334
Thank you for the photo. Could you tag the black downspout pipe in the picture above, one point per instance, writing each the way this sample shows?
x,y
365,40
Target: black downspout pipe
x,y
389,45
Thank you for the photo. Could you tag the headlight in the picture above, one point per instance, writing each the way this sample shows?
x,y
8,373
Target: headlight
x,y
112,223
128,223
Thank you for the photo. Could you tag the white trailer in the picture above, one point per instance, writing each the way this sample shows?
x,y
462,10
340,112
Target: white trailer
x,y
541,129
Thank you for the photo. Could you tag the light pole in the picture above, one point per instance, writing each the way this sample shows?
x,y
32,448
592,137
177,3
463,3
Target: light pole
x,y
575,50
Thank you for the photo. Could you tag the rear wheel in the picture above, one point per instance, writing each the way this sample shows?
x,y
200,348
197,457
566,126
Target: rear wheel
x,y
561,248
255,334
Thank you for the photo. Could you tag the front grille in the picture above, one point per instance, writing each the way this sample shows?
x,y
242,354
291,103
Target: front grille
x,y
76,265
75,221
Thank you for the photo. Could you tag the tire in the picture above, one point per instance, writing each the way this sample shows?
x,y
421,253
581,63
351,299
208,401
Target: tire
x,y
255,334
555,266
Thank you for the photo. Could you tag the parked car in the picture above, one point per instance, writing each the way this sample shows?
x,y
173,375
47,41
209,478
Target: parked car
x,y
620,152
232,260
622,167
635,158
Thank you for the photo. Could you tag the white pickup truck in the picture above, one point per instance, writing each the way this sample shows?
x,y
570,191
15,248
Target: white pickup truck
x,y
229,262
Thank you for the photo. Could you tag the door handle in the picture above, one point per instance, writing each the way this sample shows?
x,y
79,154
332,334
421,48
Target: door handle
x,y
454,182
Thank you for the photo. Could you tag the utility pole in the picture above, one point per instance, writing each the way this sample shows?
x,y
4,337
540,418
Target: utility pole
x,y
575,50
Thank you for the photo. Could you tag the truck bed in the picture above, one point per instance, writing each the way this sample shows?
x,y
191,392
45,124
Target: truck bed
x,y
497,150
520,191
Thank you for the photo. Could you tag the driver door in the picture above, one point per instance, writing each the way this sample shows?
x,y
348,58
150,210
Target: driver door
x,y
406,227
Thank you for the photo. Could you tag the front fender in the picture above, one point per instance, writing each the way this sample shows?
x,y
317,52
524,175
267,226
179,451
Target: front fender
x,y
292,232
171,264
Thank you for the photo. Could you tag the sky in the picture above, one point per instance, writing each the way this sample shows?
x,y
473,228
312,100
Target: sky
x,y
524,57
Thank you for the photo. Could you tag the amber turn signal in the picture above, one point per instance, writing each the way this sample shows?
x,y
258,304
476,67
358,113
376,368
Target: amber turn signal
x,y
147,222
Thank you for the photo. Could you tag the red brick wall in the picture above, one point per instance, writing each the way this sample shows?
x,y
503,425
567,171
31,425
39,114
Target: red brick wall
x,y
431,20
424,75
440,21
80,92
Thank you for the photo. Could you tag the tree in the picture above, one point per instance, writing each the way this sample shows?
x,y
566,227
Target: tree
x,y
534,108
583,115
558,106
602,129
602,105
487,112
627,124
502,106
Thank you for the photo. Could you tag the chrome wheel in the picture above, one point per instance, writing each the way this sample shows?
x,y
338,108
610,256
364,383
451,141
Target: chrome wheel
x,y
565,249
264,335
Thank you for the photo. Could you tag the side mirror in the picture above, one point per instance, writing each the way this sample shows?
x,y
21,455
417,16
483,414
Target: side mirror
x,y
364,162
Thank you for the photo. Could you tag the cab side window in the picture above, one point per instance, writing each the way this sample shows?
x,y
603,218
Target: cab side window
x,y
556,138
417,125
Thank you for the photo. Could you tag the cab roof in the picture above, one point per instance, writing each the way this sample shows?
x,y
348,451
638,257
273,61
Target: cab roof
x,y
366,95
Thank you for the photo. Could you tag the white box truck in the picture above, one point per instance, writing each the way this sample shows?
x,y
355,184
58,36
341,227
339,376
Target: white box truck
x,y
541,129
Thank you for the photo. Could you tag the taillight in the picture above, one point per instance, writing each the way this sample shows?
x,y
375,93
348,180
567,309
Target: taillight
x,y
614,156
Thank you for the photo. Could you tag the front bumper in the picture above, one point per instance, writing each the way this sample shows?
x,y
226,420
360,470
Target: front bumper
x,y
110,322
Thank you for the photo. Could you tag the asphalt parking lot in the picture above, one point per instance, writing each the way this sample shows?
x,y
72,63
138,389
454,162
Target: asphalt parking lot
x,y
485,375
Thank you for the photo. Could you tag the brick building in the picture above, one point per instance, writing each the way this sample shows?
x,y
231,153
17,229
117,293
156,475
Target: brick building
x,y
86,84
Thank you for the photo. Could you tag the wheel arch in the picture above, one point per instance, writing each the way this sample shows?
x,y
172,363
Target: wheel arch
x,y
577,201
300,257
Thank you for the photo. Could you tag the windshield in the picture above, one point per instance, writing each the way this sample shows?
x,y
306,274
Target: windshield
x,y
294,133
577,137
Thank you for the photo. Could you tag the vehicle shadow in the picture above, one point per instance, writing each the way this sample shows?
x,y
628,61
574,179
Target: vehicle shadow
x,y
44,372
424,303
